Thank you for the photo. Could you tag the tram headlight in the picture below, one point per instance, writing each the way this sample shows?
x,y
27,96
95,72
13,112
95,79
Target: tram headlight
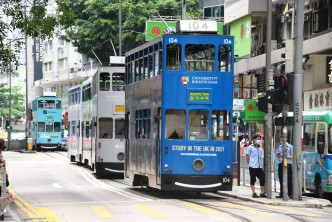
x,y
198,165
120,156
329,180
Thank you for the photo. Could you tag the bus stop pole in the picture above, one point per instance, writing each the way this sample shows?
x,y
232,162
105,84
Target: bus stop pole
x,y
298,102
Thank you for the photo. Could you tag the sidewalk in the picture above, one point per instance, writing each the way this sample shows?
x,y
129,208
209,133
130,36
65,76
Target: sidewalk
x,y
244,193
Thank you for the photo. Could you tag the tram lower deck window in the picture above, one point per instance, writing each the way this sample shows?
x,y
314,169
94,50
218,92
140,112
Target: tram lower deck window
x,y
57,127
220,125
175,124
106,128
198,125
49,127
41,126
119,128
199,57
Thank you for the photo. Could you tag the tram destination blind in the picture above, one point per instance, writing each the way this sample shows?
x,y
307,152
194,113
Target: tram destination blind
x,y
199,96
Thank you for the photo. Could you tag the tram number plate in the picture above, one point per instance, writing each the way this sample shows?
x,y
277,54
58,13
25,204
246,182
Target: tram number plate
x,y
119,108
226,180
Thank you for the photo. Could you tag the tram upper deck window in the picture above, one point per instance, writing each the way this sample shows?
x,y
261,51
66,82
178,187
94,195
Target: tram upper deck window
x,y
104,81
58,104
49,127
41,126
41,104
49,104
225,58
175,124
199,57
118,82
119,128
173,57
198,125
106,128
220,125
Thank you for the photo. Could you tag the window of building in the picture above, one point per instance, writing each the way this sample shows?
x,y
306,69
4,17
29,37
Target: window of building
x,y
106,128
57,127
220,125
173,57
199,57
309,137
175,124
49,104
118,83
198,125
41,126
41,104
62,63
49,127
119,128
104,81
225,58
58,104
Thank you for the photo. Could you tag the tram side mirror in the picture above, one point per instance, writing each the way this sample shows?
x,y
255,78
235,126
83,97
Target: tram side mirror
x,y
320,147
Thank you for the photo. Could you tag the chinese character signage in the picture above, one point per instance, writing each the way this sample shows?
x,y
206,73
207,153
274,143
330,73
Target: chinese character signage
x,y
320,99
329,69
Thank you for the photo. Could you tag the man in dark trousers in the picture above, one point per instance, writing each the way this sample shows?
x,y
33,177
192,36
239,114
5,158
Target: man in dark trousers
x,y
289,168
253,155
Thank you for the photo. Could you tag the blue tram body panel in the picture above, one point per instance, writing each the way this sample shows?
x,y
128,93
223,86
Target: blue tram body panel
x,y
194,153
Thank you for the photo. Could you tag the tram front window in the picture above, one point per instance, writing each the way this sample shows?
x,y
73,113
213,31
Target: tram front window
x,y
104,81
220,125
199,57
106,128
41,127
49,104
119,128
173,57
175,124
49,127
57,127
198,125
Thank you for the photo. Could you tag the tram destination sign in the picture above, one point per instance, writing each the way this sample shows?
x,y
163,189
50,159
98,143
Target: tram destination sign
x,y
196,26
199,96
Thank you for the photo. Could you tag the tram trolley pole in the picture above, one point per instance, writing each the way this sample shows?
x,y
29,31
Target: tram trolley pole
x,y
3,192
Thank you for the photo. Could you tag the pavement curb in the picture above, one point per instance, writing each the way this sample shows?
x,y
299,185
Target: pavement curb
x,y
26,151
274,203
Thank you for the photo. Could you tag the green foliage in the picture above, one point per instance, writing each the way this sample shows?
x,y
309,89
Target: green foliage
x,y
95,22
37,23
17,99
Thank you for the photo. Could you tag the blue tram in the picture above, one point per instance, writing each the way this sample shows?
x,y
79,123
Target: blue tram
x,y
46,118
179,98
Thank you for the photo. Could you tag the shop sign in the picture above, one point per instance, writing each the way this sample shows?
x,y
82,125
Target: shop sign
x,y
329,69
320,99
252,113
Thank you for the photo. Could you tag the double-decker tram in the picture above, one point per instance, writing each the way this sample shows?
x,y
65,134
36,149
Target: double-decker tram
x,y
179,98
46,119
99,128
74,143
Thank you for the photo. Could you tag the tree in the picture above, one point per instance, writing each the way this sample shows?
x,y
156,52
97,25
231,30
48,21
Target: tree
x,y
96,22
37,23
17,108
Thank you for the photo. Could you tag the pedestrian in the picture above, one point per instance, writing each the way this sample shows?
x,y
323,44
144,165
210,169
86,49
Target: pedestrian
x,y
2,161
289,168
253,155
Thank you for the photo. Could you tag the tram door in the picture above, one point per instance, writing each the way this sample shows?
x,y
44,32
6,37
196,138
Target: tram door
x,y
158,146
126,166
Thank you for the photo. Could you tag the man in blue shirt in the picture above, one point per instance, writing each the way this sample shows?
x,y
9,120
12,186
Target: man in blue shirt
x,y
289,168
253,155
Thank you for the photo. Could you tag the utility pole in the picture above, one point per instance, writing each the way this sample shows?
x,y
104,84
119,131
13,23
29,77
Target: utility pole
x,y
184,10
120,28
298,106
268,115
26,85
10,109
